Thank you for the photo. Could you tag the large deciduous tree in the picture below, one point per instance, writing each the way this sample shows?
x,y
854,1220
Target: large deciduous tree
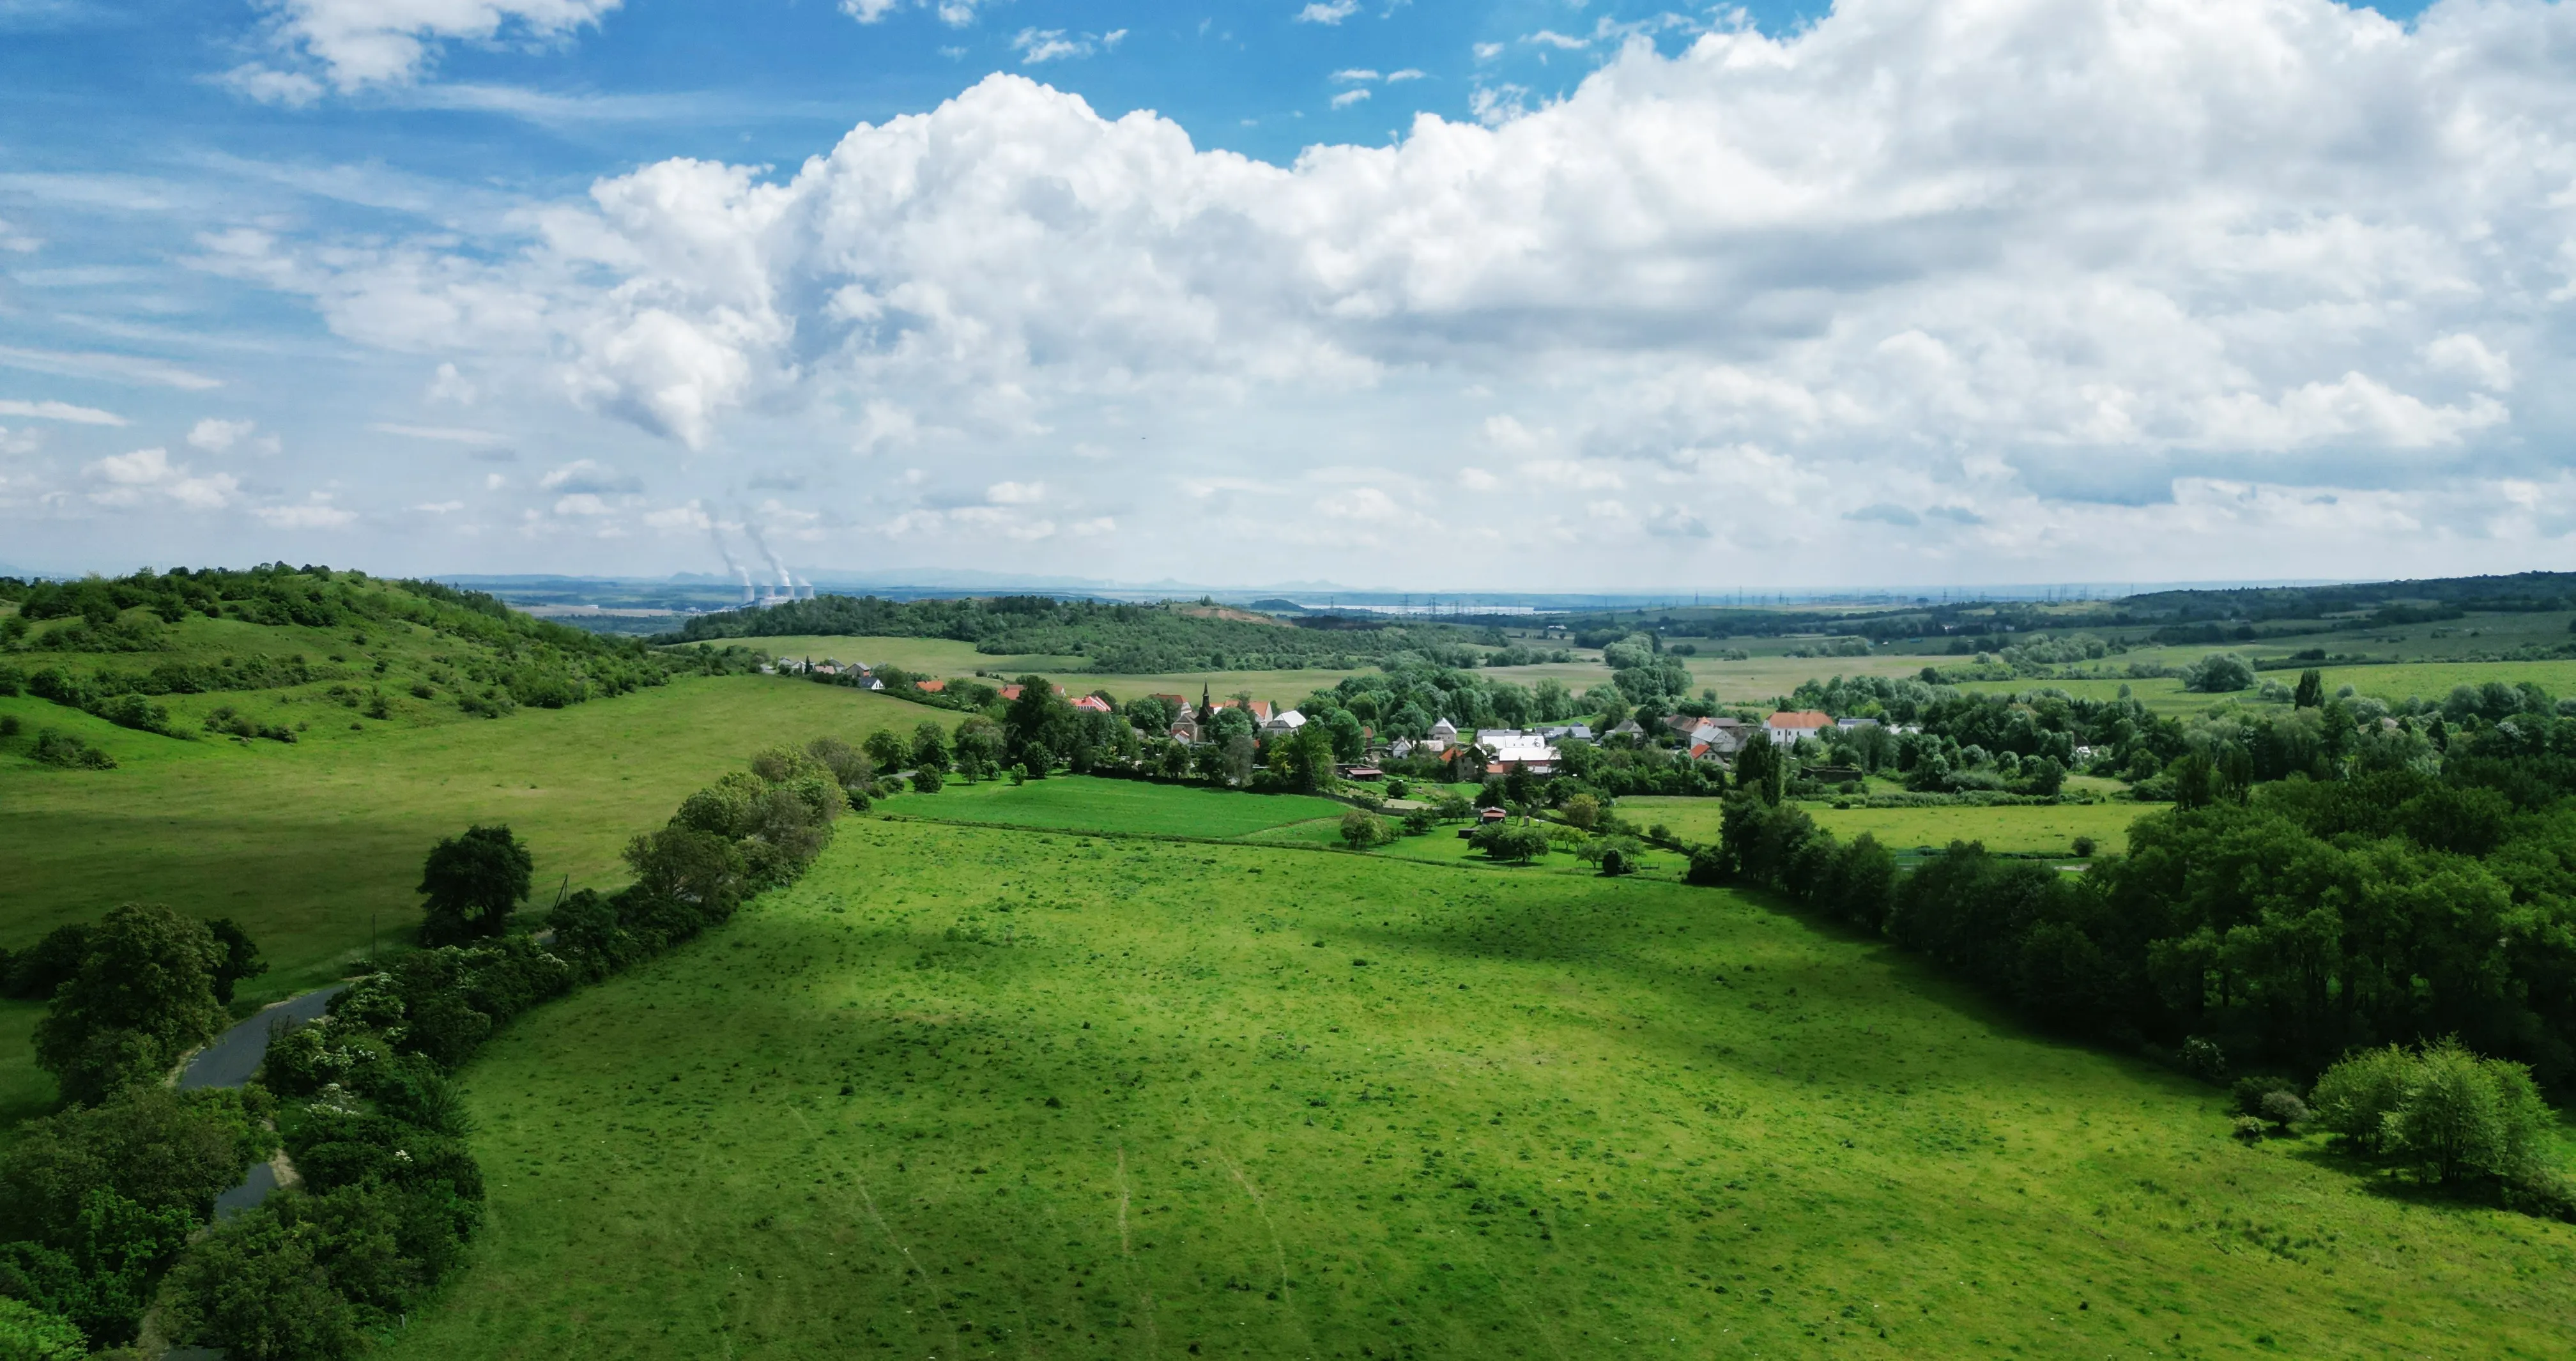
x,y
144,995
472,884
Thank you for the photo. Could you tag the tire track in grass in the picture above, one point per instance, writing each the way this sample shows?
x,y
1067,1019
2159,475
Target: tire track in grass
x,y
1278,1248
1127,1250
912,1267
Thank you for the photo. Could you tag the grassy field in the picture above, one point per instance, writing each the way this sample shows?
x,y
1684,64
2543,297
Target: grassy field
x,y
1085,803
2036,830
309,845
976,1092
945,657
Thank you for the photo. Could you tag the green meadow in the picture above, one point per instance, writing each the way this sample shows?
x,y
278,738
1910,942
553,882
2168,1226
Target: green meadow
x,y
947,657
311,846
988,1092
2025,830
1085,803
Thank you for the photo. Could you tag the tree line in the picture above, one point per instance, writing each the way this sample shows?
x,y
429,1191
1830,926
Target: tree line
x,y
2262,928
105,1206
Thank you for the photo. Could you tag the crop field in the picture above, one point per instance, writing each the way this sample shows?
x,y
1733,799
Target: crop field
x,y
946,657
979,1092
1084,803
936,656
2017,830
309,845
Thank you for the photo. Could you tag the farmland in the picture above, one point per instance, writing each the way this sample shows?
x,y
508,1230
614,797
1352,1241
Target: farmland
x,y
986,1092
2044,829
309,845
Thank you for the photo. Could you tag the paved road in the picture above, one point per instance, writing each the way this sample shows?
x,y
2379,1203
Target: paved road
x,y
235,1054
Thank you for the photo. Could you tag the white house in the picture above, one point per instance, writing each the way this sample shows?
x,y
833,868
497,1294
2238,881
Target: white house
x,y
1284,722
1516,750
1788,725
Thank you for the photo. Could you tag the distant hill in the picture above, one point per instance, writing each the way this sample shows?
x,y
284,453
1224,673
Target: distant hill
x,y
1116,638
291,645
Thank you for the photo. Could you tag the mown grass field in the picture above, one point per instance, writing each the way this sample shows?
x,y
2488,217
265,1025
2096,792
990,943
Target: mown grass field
x,y
945,657
309,845
2030,830
1089,804
978,1092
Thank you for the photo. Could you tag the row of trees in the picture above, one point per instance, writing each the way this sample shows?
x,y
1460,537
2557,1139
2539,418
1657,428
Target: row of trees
x,y
104,1207
2265,926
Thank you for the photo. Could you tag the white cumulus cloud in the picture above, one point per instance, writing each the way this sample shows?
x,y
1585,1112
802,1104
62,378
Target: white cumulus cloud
x,y
358,43
147,475
2069,261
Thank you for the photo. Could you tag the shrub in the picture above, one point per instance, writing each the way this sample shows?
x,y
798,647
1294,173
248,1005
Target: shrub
x,y
1362,829
1419,822
10,726
2084,847
2446,1112
927,780
1511,842
1583,810
1615,855
69,752
2284,1109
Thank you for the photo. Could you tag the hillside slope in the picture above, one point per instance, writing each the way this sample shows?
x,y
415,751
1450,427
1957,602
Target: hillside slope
x,y
984,1093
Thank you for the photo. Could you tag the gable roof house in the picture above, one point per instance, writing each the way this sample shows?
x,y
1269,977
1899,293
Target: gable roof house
x,y
1093,703
1516,750
1287,721
1788,725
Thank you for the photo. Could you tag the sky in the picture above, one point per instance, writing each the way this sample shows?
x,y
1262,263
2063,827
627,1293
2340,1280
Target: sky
x,y
1533,295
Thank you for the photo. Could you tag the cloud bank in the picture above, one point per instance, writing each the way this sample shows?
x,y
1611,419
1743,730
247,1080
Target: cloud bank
x,y
2091,267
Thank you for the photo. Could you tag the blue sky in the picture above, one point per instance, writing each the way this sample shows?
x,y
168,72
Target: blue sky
x,y
1901,292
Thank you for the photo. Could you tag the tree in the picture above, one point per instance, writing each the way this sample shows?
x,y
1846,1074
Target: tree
x,y
2311,693
927,780
980,746
46,965
1512,843
1761,770
241,957
1362,829
472,884
144,995
930,747
887,750
2218,673
1584,811
1038,728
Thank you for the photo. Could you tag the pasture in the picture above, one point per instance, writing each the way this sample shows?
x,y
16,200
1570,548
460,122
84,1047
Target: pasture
x,y
947,657
310,845
1085,803
2039,829
977,1092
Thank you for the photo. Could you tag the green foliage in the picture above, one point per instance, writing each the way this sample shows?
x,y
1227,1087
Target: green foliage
x,y
2440,1109
471,884
1615,855
69,752
1362,829
2218,673
1117,638
95,1202
144,994
1512,843
28,1333
36,971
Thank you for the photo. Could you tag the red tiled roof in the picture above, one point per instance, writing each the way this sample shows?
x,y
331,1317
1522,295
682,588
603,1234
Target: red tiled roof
x,y
932,686
1798,718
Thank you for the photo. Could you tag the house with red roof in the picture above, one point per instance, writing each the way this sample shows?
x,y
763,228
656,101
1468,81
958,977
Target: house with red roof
x,y
1788,725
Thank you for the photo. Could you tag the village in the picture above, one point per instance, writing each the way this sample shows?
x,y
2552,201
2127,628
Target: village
x,y
1500,752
